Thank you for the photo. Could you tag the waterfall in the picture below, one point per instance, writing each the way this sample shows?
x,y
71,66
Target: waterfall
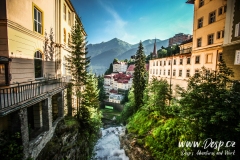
x,y
108,146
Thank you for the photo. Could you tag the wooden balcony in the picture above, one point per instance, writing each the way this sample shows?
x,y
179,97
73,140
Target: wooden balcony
x,y
24,94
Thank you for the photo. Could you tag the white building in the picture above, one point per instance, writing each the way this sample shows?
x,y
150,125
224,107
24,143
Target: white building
x,y
115,98
120,66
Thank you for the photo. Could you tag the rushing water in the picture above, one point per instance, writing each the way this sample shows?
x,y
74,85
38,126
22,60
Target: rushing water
x,y
108,146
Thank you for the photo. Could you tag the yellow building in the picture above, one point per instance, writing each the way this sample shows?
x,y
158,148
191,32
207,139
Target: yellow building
x,y
34,38
206,47
208,31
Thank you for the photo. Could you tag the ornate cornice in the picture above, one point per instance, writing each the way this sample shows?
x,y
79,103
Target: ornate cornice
x,y
21,29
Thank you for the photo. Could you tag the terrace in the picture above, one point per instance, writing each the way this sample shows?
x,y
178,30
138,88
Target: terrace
x,y
21,95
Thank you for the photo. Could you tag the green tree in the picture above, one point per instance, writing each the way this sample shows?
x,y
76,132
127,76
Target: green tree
x,y
109,70
102,93
211,105
157,96
78,63
139,77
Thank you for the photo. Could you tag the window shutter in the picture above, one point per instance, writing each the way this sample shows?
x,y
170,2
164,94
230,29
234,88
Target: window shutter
x,y
237,30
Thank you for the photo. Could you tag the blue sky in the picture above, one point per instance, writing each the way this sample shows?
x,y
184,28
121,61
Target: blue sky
x,y
134,20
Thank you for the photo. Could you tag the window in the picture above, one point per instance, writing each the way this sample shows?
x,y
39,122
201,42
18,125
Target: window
x,y
174,62
153,63
237,30
69,18
225,9
153,71
201,3
38,64
196,71
174,72
181,61
69,39
218,34
64,12
199,42
169,62
220,11
157,63
64,35
210,39
223,34
197,59
209,58
160,63
156,71
188,60
237,57
220,57
200,22
180,73
169,72
188,73
164,72
164,63
160,72
150,71
212,17
37,20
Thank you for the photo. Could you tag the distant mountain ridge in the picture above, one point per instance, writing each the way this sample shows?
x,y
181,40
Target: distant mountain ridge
x,y
102,54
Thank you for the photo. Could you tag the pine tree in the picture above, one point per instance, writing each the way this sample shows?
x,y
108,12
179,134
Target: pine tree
x,y
78,63
139,77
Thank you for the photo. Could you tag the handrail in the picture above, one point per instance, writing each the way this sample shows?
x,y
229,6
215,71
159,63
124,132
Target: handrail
x,y
20,92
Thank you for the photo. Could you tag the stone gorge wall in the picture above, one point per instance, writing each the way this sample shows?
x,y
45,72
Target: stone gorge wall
x,y
67,143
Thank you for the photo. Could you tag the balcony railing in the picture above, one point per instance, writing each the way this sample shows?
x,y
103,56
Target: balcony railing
x,y
20,92
187,50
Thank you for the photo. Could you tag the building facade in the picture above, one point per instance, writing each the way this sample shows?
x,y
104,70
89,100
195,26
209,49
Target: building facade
x,y
231,45
120,66
33,44
205,50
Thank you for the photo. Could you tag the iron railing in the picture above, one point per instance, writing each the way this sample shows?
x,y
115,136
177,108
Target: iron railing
x,y
20,92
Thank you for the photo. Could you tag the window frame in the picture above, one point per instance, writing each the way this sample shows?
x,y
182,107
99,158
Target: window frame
x,y
35,7
201,3
200,22
218,35
197,59
212,17
210,39
69,18
188,73
38,58
220,11
64,12
199,42
188,60
174,73
180,73
237,30
180,61
209,62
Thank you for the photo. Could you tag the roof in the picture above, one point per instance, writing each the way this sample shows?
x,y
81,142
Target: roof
x,y
187,41
190,1
132,66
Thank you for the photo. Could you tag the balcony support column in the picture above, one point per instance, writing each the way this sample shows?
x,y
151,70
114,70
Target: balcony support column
x,y
24,131
47,113
60,102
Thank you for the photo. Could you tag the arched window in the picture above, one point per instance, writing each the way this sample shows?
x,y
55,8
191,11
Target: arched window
x,y
38,64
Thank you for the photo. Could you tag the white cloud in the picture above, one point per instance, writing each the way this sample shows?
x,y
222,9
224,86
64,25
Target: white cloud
x,y
116,27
